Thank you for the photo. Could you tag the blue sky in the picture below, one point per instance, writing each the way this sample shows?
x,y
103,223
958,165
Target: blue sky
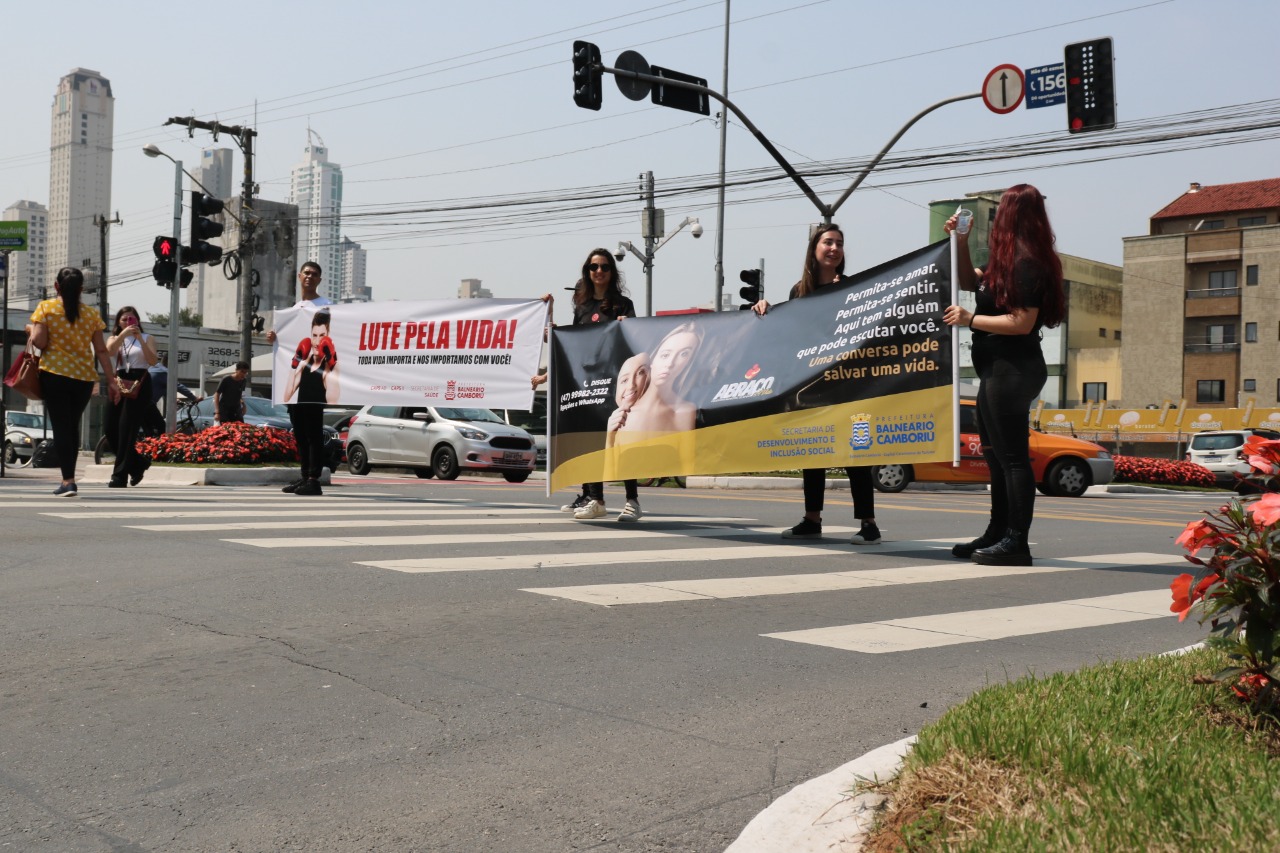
x,y
426,102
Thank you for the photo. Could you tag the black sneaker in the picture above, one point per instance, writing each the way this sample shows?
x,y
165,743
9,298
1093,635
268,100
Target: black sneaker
x,y
117,483
579,502
309,487
66,490
868,535
293,487
806,529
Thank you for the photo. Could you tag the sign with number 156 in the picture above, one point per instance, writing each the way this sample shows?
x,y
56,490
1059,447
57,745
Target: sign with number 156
x,y
1046,86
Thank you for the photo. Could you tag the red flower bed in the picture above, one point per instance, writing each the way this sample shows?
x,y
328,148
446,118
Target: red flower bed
x,y
231,444
1139,469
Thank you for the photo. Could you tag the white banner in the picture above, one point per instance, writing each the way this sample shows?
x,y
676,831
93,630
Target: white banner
x,y
475,353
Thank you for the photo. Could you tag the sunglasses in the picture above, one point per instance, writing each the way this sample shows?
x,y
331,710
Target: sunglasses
x,y
598,267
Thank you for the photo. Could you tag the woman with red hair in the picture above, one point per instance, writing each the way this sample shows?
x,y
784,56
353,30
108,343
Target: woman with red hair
x,y
1019,292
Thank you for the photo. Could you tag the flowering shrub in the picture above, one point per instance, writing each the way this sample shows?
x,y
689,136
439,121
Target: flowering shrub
x,y
233,443
1139,469
1237,588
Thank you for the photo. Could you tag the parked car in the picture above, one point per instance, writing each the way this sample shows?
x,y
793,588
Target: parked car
x,y
22,432
1063,466
438,442
260,411
1222,452
533,421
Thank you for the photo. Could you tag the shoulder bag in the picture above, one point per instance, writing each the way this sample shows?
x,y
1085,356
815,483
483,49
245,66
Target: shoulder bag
x,y
24,374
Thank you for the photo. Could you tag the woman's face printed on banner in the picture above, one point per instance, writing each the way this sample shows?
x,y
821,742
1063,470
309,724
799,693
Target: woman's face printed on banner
x,y
633,379
672,358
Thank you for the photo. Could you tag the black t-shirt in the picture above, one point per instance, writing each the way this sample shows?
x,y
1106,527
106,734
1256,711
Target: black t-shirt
x,y
593,311
1031,281
230,391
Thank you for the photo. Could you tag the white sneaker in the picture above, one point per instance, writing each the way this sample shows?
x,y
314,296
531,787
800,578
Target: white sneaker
x,y
578,503
593,509
631,512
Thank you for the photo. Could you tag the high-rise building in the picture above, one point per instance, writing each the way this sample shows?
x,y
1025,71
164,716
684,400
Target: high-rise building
x,y
27,275
316,189
471,289
216,176
354,285
79,170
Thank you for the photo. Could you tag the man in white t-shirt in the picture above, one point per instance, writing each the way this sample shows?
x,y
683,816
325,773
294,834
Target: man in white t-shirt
x,y
307,415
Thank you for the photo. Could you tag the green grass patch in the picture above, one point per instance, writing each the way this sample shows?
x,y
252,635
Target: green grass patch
x,y
1123,756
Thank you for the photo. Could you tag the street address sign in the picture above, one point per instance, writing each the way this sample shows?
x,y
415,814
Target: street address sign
x,y
13,235
1003,89
1046,86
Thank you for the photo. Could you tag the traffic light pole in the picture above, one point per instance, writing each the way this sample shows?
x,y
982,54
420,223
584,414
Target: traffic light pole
x,y
246,249
171,392
827,210
244,137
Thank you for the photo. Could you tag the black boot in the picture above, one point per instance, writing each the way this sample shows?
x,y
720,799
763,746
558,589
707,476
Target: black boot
x,y
992,535
1012,550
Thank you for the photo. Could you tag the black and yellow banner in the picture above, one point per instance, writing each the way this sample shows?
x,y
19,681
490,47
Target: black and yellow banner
x,y
856,374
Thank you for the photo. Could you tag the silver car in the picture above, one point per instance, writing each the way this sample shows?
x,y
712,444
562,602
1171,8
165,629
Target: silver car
x,y
1222,452
22,432
438,442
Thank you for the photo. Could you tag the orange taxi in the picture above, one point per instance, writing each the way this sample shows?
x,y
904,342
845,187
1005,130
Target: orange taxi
x,y
1064,466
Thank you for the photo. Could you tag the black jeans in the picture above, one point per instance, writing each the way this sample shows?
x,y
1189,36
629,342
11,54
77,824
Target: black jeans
x,y
864,494
595,491
123,420
308,432
1005,394
64,401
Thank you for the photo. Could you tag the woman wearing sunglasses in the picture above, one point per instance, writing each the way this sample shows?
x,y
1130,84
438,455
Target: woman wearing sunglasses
x,y
598,298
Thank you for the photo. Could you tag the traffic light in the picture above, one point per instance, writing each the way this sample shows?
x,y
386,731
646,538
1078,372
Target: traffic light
x,y
1091,86
165,269
586,75
754,291
202,228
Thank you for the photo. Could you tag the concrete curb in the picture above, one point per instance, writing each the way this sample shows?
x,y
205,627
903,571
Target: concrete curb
x,y
163,475
822,814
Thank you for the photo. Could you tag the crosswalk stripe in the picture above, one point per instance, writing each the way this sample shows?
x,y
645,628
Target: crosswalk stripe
x,y
360,511
454,521
431,565
973,626
588,533
710,589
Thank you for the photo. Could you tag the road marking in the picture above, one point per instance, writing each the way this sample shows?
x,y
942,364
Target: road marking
x,y
361,511
710,589
453,521
587,534
972,626
431,565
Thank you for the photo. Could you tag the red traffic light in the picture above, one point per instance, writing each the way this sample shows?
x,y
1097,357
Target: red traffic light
x,y
163,247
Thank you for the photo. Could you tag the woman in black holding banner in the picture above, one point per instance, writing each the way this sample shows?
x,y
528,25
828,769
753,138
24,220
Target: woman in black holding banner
x,y
824,267
598,298
1018,293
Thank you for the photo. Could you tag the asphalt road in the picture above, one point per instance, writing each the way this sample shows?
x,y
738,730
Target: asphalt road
x,y
406,665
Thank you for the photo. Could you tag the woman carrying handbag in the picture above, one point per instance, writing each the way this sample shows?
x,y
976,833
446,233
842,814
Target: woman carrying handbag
x,y
69,338
133,351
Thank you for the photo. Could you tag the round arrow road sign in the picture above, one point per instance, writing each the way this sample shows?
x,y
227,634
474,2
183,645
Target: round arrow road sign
x,y
1003,89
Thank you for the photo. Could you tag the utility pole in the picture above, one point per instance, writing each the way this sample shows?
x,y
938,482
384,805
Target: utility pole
x,y
103,223
244,138
724,128
651,231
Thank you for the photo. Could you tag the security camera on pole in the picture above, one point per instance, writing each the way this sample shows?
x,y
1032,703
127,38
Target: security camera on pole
x,y
652,229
